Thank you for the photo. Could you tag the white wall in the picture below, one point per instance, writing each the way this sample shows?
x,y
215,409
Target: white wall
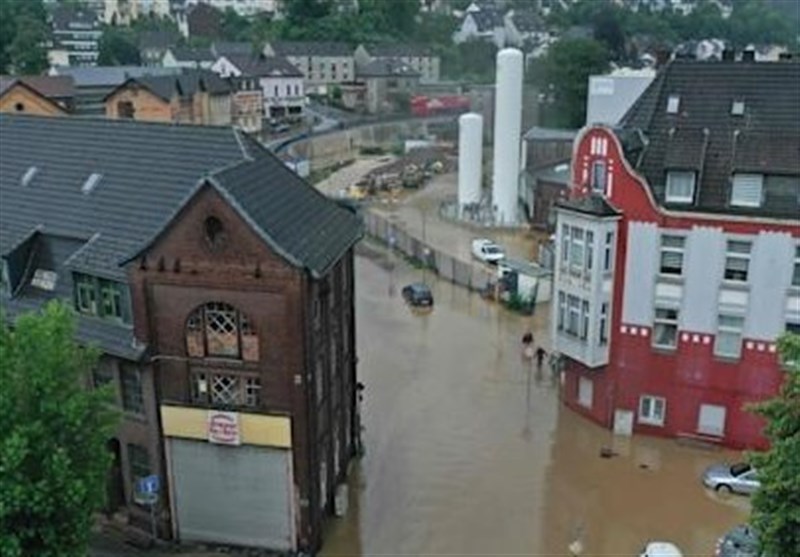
x,y
610,96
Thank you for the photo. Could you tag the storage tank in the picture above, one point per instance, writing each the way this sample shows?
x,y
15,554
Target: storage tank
x,y
507,133
470,159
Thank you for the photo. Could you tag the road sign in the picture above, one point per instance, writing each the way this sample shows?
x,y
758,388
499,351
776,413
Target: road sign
x,y
149,485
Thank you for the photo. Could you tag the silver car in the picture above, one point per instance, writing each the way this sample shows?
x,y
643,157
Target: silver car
x,y
738,478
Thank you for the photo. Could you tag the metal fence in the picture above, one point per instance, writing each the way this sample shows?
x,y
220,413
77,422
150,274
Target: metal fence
x,y
463,273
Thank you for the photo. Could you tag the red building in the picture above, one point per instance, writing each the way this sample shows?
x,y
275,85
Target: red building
x,y
678,258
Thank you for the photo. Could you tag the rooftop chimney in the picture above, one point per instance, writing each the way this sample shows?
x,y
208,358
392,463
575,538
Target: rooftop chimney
x,y
748,56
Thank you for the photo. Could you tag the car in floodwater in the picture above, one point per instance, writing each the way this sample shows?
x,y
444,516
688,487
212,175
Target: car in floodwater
x,y
487,251
418,294
661,549
740,541
737,478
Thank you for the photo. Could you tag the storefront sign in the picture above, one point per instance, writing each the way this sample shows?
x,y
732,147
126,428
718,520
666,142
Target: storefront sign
x,y
223,428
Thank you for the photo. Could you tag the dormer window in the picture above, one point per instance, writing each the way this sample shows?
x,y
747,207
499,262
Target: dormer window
x,y
747,190
737,107
673,104
101,297
680,186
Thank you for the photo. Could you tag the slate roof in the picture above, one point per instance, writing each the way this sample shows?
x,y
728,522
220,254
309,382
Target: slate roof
x,y
311,48
157,40
386,68
109,76
52,87
705,137
184,84
264,66
527,21
225,48
65,18
487,20
595,205
183,54
149,171
398,50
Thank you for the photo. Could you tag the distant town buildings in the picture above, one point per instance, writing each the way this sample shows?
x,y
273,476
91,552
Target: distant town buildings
x,y
323,64
124,12
75,36
421,59
244,8
678,253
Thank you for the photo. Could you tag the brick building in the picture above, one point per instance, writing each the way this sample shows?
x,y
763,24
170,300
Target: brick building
x,y
37,94
219,287
678,259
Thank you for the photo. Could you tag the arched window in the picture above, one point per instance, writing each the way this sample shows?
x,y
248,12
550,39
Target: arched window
x,y
220,330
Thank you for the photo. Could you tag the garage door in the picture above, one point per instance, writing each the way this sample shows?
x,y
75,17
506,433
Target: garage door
x,y
237,495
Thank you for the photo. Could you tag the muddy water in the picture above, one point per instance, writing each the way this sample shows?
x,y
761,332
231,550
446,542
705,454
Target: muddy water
x,y
470,453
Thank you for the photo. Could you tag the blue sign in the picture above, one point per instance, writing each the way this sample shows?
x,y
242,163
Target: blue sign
x,y
148,485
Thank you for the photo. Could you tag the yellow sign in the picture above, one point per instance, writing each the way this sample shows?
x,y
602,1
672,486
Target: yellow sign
x,y
253,429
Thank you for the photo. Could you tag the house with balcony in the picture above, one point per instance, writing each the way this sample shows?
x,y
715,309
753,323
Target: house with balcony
x,y
678,254
75,37
280,84
218,286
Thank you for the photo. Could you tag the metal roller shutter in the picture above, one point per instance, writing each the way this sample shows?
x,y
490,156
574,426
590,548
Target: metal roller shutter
x,y
236,495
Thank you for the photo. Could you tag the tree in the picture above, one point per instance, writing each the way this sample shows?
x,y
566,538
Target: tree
x,y
118,47
53,461
608,30
23,32
776,505
564,74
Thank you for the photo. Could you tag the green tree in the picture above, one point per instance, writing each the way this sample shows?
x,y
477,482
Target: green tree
x,y
776,506
53,461
234,26
118,47
303,12
564,75
26,51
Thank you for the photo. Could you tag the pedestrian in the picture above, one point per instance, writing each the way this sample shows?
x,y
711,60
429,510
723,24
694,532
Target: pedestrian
x,y
540,354
527,345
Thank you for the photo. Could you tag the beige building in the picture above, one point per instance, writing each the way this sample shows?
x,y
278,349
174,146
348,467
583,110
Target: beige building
x,y
323,64
418,57
189,98
37,94
389,86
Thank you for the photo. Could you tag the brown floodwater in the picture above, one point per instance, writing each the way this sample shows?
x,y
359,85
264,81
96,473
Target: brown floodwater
x,y
469,452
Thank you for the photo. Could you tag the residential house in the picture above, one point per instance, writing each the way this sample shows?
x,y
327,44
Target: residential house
x,y
37,94
75,36
482,25
245,8
324,64
182,57
280,83
611,95
525,27
192,97
389,85
125,12
419,58
153,45
679,254
203,20
218,286
93,84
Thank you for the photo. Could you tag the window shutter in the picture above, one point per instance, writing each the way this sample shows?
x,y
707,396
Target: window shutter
x,y
747,190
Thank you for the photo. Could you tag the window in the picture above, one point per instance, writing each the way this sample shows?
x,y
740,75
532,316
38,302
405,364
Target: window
x,y
44,279
584,319
296,90
19,107
673,104
728,343
680,186
125,109
288,90
599,176
711,420
131,383
671,255
737,260
585,392
101,297
225,389
220,330
573,315
796,273
737,107
589,249
576,248
562,310
603,335
138,462
747,190
276,90
102,375
565,239
665,328
652,410
608,252
5,281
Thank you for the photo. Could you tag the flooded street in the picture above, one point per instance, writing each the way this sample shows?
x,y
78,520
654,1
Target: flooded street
x,y
469,452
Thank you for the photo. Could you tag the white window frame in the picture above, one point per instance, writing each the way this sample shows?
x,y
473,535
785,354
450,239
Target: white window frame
x,y
671,250
707,411
577,247
733,255
652,417
588,246
672,177
585,314
796,268
673,103
665,321
565,241
573,312
608,252
728,329
602,335
740,186
561,317
599,179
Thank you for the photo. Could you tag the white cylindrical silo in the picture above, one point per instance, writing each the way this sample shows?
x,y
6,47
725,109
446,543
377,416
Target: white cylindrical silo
x,y
470,159
507,131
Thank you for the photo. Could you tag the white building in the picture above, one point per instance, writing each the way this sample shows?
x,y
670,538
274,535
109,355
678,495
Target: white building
x,y
75,37
611,95
242,7
123,12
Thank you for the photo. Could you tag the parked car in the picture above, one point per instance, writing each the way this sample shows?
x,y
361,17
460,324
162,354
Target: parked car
x,y
418,294
740,478
740,541
487,251
661,549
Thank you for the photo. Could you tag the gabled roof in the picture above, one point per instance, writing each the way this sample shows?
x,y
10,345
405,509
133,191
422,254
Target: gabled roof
x,y
148,172
386,68
185,84
704,135
7,87
263,66
226,48
487,20
183,54
593,204
398,50
52,87
67,18
311,48
109,76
